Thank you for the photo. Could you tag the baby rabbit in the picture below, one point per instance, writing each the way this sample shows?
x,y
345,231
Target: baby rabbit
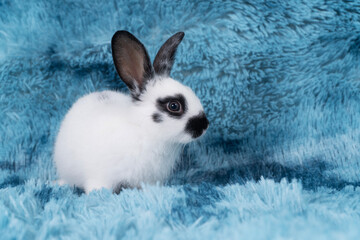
x,y
113,140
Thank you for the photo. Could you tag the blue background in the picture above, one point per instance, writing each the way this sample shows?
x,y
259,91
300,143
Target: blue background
x,y
279,81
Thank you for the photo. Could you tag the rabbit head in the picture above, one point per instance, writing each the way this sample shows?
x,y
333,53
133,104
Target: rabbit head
x,y
171,108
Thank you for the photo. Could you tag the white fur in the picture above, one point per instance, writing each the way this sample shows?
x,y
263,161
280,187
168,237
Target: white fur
x,y
108,139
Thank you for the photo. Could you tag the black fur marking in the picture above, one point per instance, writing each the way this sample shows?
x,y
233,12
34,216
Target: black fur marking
x,y
119,187
165,58
135,98
197,125
163,102
123,185
157,118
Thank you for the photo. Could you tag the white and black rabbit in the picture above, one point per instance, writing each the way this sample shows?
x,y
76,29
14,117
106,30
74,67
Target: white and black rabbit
x,y
110,139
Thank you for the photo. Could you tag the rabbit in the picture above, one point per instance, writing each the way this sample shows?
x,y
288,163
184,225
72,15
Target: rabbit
x,y
113,140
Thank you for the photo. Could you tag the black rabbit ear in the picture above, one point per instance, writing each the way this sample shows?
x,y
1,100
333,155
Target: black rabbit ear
x,y
131,61
164,59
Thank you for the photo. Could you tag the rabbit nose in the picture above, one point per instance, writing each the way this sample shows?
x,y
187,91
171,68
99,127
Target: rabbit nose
x,y
197,125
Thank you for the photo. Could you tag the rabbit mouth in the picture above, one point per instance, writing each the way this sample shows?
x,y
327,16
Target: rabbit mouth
x,y
197,125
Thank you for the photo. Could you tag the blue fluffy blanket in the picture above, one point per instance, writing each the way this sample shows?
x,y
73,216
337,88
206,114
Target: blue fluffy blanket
x,y
280,84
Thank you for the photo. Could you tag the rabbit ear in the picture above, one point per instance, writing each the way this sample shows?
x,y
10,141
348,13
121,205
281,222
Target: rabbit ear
x,y
164,59
131,61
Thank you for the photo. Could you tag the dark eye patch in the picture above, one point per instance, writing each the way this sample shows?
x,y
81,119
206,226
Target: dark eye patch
x,y
162,105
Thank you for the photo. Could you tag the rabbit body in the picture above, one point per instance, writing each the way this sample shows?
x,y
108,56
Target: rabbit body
x,y
110,139
104,142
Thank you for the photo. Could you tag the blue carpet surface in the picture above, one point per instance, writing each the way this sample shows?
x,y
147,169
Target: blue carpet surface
x,y
279,81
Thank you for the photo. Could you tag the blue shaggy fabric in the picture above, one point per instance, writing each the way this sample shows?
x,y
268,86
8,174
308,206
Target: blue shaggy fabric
x,y
280,84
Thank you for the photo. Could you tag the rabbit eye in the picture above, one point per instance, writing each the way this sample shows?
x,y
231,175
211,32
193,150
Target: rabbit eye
x,y
174,106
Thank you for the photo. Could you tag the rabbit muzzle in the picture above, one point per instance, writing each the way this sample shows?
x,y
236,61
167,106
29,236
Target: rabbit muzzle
x,y
197,125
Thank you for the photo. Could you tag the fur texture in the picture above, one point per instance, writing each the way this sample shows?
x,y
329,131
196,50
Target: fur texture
x,y
107,139
279,81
